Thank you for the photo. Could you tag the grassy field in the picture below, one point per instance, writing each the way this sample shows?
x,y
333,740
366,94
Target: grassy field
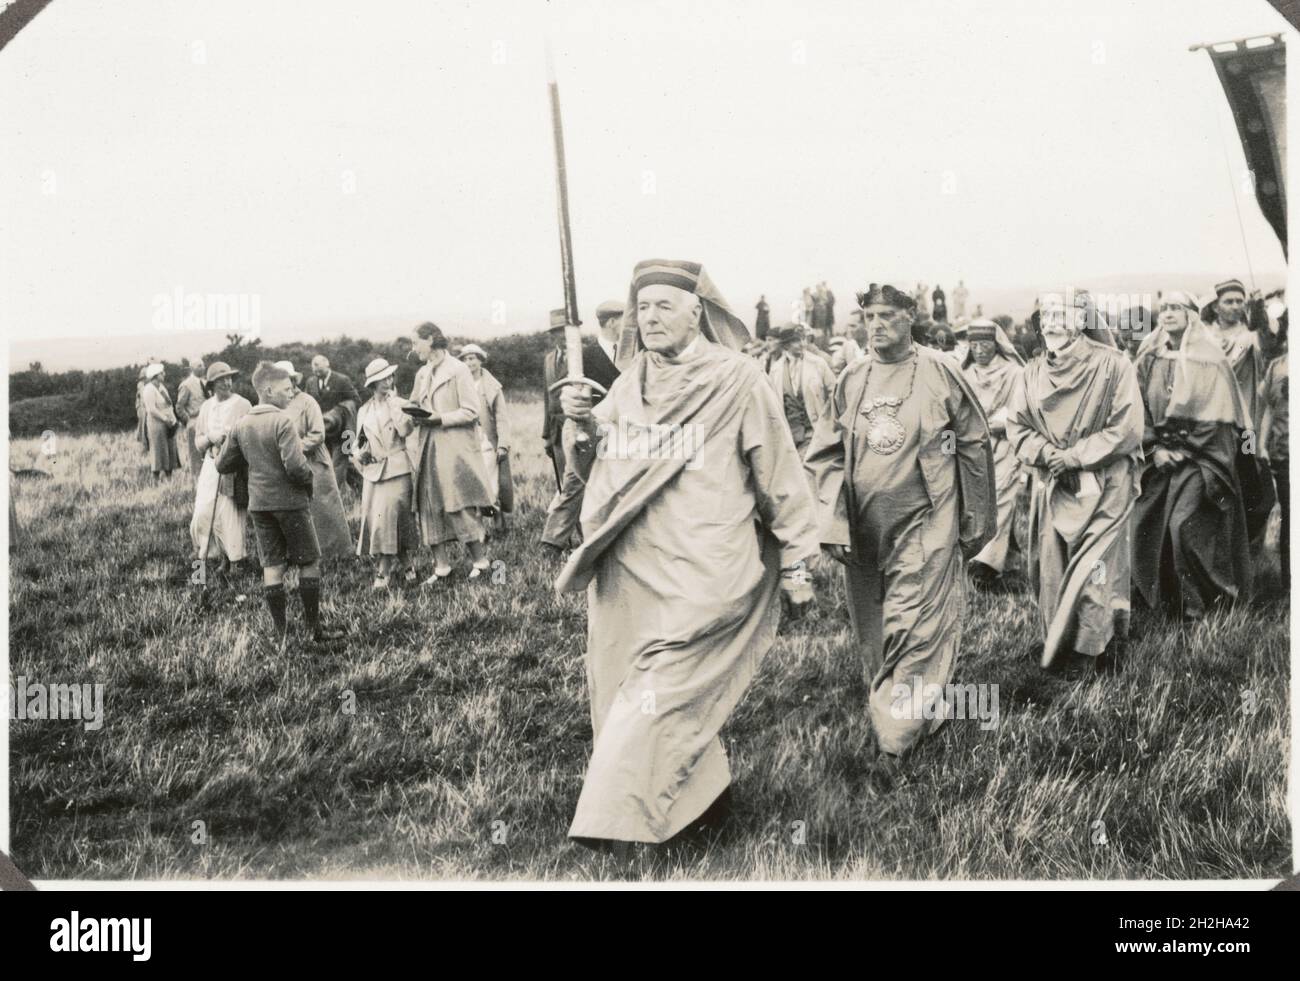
x,y
448,737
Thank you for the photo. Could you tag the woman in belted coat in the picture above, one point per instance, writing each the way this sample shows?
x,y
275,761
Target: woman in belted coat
x,y
450,484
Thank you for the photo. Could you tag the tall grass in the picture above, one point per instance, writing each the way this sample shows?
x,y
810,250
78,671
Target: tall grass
x,y
448,737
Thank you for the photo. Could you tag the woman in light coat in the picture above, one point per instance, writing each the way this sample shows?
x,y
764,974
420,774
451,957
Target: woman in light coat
x,y
219,523
450,485
493,426
380,456
160,418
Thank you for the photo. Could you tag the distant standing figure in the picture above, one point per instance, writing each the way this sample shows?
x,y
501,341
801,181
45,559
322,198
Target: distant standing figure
x,y
189,398
160,419
763,322
940,305
959,297
922,299
141,423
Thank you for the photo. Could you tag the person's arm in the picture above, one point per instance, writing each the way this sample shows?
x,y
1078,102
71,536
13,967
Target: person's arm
x,y
291,455
315,434
1123,432
232,457
467,397
1029,444
976,481
503,424
785,502
824,462
201,442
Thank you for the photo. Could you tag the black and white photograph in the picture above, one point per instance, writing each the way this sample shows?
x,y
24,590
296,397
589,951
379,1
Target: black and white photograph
x,y
646,445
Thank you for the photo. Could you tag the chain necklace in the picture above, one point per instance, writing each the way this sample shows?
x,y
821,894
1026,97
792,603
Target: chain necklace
x,y
885,434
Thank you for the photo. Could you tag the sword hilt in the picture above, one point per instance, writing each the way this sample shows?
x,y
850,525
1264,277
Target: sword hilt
x,y
580,436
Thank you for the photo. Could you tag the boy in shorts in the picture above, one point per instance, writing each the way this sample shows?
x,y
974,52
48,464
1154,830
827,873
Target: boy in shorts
x,y
279,498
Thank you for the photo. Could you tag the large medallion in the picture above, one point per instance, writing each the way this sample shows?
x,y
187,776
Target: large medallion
x,y
885,434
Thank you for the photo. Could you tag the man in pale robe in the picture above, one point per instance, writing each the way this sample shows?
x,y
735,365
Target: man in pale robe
x,y
904,475
1243,331
696,519
992,367
802,382
218,528
1193,549
327,515
1075,420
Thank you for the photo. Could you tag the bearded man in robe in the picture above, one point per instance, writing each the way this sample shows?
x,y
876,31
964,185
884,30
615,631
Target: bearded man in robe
x,y
697,519
904,473
1075,420
992,368
1192,545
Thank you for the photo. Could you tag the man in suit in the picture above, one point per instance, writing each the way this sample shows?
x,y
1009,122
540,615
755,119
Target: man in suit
x,y
598,365
338,401
190,396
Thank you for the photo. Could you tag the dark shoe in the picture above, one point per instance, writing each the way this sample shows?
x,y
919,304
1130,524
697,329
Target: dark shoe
x,y
324,634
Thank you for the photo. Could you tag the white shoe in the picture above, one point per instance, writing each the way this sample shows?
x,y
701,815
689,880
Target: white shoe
x,y
437,577
381,582
479,568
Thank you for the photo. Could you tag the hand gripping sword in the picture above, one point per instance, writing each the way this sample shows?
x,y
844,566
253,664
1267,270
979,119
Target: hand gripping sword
x,y
572,331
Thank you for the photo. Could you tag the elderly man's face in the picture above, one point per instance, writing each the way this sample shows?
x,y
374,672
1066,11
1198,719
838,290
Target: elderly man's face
x,y
1232,306
983,351
199,369
793,348
320,367
889,329
669,318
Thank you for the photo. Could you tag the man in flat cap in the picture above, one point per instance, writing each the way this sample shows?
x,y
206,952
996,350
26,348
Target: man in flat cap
x,y
609,316
904,473
803,383
697,519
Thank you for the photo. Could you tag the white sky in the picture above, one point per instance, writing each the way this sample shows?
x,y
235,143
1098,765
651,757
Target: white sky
x,y
1079,139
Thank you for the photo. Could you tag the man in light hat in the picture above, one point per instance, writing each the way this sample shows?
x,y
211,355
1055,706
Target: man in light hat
x,y
338,401
189,397
803,383
1075,420
904,472
992,368
327,516
697,518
